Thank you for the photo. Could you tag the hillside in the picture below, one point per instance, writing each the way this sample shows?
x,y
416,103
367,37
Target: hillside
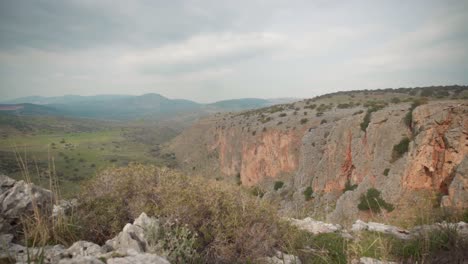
x,y
325,152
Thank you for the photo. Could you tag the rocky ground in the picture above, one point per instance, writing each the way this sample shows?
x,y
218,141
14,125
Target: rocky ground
x,y
134,244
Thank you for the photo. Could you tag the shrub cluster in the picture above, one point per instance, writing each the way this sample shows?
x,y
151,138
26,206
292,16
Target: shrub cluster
x,y
400,149
278,185
372,201
349,186
308,192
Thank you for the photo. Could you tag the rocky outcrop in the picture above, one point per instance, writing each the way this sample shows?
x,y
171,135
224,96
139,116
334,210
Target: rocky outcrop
x,y
130,246
458,189
19,199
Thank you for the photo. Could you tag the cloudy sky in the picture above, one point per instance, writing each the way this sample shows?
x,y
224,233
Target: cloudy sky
x,y
212,50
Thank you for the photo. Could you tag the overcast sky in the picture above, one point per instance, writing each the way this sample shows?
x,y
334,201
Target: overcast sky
x,y
212,50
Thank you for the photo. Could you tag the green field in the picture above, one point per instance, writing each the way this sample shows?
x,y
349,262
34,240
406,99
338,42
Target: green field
x,y
79,153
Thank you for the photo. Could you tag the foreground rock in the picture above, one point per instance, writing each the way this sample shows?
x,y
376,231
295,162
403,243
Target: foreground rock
x,y
130,246
366,260
315,227
381,228
18,199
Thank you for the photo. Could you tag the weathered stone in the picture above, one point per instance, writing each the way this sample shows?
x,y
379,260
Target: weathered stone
x,y
18,198
458,189
367,260
144,258
132,239
315,227
81,260
84,248
64,207
381,228
281,258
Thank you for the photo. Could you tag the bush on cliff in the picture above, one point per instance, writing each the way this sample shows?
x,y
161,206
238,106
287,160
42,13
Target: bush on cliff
x,y
373,201
400,149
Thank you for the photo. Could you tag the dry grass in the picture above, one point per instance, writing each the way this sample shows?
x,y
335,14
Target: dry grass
x,y
40,228
231,225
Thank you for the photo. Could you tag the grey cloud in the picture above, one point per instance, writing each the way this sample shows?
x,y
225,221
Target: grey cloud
x,y
211,49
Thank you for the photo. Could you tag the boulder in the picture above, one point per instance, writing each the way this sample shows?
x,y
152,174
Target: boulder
x,y
84,248
64,207
132,240
381,228
81,260
367,260
315,227
17,199
144,258
281,258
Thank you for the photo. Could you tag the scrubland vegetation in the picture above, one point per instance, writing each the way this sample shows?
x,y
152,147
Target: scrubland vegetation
x,y
207,221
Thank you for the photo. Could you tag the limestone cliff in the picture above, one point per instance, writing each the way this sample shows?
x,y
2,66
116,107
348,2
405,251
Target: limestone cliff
x,y
319,144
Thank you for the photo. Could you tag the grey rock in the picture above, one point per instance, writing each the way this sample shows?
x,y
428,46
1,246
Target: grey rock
x,y
64,207
367,260
281,258
381,228
144,258
315,227
132,239
84,248
458,189
18,198
81,260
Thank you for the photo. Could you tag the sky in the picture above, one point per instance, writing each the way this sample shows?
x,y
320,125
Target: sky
x,y
213,50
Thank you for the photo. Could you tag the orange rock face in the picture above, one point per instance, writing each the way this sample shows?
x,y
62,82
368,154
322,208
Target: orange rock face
x,y
432,164
275,153
266,155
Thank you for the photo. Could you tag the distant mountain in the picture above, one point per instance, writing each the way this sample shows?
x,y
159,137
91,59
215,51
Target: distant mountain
x,y
66,99
125,107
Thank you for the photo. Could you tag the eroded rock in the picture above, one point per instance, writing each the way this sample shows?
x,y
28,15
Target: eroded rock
x,y
315,227
381,228
17,199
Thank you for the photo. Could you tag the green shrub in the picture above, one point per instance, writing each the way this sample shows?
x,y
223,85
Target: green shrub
x,y
345,105
349,186
400,149
373,201
408,119
312,106
365,122
238,179
173,241
278,185
324,121
282,115
257,191
304,120
308,192
386,171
